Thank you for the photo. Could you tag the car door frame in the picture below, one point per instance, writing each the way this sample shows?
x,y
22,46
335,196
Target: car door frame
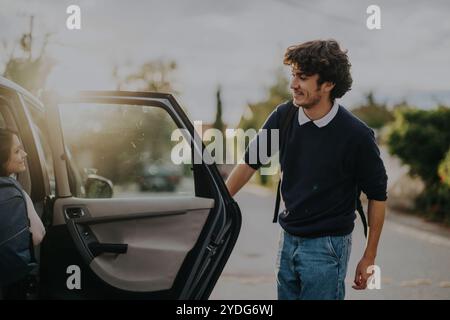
x,y
217,239
23,124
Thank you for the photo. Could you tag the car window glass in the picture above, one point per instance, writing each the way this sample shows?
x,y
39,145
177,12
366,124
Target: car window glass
x,y
2,122
40,127
122,151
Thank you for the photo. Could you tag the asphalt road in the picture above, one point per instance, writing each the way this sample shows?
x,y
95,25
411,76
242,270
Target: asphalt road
x,y
413,255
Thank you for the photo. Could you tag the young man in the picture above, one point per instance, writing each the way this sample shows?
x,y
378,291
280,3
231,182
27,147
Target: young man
x,y
328,155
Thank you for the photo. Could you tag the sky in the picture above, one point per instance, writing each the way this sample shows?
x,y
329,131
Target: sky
x,y
239,45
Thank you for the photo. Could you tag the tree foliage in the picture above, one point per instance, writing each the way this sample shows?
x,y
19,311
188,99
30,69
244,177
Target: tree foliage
x,y
257,112
444,169
374,114
421,139
122,140
218,122
25,67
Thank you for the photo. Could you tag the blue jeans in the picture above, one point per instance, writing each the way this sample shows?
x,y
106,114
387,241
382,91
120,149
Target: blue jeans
x,y
312,268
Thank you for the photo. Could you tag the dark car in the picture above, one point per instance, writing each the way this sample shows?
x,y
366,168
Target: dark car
x,y
101,244
156,177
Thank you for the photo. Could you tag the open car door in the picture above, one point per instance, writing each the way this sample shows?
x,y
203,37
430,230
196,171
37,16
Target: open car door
x,y
129,220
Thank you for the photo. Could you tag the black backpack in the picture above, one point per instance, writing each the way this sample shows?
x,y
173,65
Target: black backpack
x,y
16,245
285,123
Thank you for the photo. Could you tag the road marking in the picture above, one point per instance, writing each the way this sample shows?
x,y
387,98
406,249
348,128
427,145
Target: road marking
x,y
419,234
416,283
249,279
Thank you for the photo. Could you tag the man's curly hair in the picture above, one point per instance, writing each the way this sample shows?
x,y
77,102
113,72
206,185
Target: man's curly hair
x,y
325,58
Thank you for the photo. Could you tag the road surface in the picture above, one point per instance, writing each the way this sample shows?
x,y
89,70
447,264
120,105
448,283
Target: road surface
x,y
413,255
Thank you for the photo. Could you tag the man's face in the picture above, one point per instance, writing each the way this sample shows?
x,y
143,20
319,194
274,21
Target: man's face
x,y
305,91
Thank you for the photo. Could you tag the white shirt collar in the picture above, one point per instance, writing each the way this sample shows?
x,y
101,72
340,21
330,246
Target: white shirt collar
x,y
322,122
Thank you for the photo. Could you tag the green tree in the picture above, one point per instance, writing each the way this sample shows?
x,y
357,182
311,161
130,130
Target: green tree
x,y
219,125
141,130
218,122
153,75
257,112
28,69
373,113
444,169
421,139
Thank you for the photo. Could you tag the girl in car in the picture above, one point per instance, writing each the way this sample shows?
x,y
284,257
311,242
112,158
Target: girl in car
x,y
12,162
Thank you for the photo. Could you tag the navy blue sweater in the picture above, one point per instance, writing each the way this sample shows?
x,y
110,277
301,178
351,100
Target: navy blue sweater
x,y
322,168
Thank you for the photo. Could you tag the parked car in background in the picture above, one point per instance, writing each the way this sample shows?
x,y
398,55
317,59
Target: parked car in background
x,y
159,177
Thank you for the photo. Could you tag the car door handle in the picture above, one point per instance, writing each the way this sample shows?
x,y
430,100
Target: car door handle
x,y
74,212
98,248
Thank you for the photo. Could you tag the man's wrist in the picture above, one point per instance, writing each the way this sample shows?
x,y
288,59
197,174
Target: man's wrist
x,y
370,255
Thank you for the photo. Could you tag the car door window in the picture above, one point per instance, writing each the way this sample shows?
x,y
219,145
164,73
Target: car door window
x,y
3,105
126,148
42,142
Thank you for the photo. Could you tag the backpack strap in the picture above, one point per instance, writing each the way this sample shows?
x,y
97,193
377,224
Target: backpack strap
x,y
360,210
13,182
277,203
285,123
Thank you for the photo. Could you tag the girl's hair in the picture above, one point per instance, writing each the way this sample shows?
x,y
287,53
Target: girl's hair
x,y
6,140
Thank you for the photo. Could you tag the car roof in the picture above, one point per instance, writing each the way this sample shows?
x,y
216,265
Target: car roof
x,y
8,84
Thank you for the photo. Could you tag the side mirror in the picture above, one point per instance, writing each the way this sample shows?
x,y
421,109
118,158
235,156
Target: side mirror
x,y
98,187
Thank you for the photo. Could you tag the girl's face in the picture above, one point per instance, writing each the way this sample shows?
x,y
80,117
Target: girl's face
x,y
16,162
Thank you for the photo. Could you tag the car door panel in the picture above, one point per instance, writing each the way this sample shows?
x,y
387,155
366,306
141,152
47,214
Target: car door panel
x,y
158,233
